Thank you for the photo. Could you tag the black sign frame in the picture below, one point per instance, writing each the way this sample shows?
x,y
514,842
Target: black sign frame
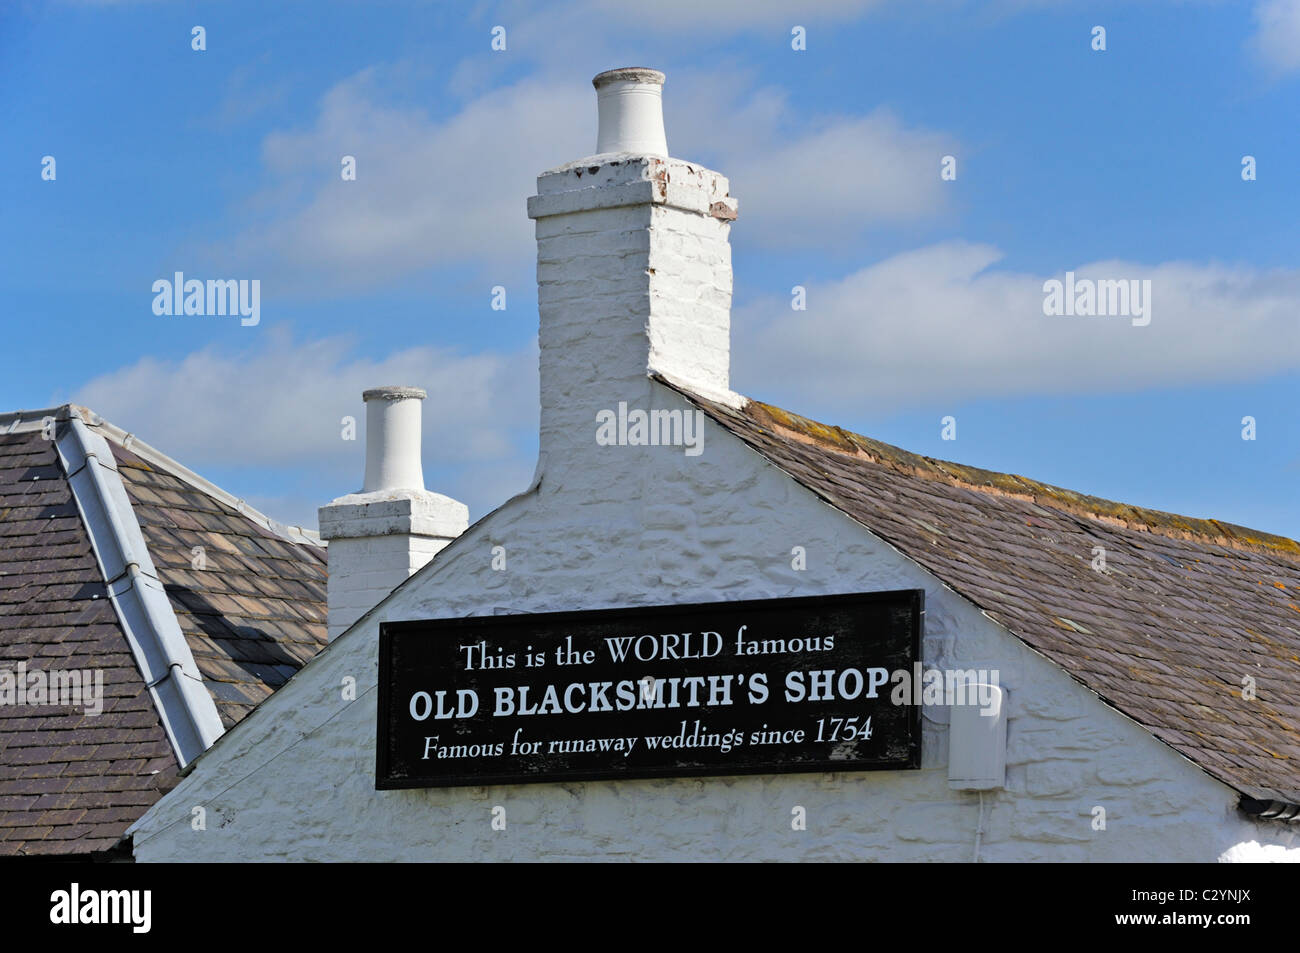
x,y
485,625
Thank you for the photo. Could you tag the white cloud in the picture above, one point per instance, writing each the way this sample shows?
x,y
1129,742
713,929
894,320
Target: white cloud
x,y
805,181
452,191
250,90
427,193
671,16
556,32
847,175
940,323
1278,38
279,406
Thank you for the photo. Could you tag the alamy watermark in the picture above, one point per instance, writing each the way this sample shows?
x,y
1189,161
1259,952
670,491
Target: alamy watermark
x,y
213,297
1121,297
63,688
651,428
919,686
76,905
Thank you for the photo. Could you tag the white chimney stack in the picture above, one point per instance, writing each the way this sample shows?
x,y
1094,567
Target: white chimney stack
x,y
381,535
633,271
630,106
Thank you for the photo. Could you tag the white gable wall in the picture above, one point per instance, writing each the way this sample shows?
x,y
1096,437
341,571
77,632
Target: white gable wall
x,y
646,526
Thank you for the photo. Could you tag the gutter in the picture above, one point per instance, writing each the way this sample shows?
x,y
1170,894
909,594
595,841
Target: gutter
x,y
1264,809
188,713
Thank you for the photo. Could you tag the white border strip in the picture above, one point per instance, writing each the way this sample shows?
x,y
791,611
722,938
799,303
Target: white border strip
x,y
187,710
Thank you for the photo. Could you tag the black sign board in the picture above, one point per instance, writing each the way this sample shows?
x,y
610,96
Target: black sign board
x,y
763,686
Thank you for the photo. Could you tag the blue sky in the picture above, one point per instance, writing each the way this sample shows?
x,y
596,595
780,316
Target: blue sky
x,y
924,296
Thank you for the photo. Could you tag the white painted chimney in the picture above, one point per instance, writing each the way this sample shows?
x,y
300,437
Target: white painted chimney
x,y
393,526
633,270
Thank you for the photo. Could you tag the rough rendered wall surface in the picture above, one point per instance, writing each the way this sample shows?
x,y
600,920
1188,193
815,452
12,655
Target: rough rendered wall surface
x,y
629,526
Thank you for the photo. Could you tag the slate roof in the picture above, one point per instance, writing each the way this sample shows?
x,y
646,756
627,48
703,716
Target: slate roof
x,y
1184,610
257,612
70,782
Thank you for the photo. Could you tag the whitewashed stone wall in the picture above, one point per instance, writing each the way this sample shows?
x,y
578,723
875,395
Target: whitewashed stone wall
x,y
634,526
368,568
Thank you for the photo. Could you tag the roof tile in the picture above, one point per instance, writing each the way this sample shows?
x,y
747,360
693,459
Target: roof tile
x,y
1186,609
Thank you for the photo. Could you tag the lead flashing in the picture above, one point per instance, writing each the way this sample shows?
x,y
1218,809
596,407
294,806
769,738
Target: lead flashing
x,y
188,713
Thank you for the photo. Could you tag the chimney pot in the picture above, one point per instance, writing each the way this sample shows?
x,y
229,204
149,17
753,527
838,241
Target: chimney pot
x,y
394,526
630,106
393,439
